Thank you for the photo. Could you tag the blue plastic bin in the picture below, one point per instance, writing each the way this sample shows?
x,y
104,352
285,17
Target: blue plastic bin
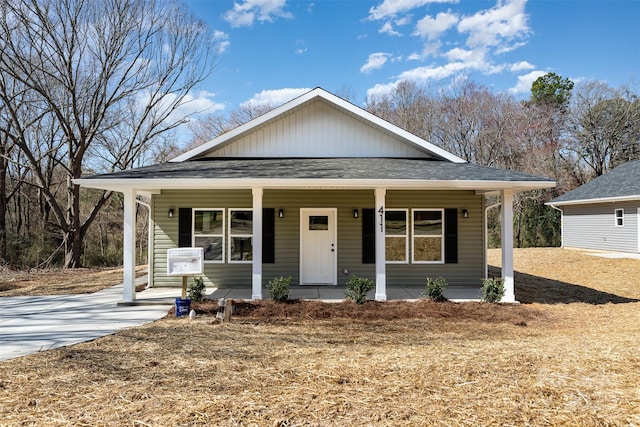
x,y
182,307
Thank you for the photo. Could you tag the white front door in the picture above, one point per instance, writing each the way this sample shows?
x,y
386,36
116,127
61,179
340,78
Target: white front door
x,y
318,246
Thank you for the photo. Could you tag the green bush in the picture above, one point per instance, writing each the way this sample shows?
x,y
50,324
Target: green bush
x,y
357,288
196,289
279,288
435,289
492,289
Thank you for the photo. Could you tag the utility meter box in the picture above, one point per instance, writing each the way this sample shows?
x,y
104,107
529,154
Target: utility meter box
x,y
185,261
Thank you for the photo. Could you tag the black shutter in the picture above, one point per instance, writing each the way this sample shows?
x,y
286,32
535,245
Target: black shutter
x,y
184,227
268,236
451,236
368,236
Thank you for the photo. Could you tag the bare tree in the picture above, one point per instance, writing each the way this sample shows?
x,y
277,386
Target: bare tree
x,y
605,126
106,77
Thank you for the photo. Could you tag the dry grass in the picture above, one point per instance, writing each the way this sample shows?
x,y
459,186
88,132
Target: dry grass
x,y
60,281
566,363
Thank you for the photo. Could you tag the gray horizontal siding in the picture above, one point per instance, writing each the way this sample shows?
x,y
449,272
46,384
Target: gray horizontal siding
x,y
592,226
467,272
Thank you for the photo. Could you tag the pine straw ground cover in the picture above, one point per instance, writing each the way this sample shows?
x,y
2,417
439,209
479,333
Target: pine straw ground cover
x,y
557,360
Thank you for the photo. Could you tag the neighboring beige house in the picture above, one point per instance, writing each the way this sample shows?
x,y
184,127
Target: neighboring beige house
x,y
603,214
320,189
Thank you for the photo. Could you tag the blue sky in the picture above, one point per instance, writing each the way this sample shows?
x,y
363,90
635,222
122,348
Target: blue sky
x,y
274,50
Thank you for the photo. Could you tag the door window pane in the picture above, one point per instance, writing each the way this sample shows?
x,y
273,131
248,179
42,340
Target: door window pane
x,y
319,223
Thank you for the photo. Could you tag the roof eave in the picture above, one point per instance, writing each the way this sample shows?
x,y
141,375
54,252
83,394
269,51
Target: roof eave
x,y
595,200
247,183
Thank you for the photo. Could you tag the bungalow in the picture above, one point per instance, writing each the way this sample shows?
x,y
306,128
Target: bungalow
x,y
320,189
604,213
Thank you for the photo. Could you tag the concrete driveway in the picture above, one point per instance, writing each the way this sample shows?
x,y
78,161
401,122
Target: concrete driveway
x,y
37,323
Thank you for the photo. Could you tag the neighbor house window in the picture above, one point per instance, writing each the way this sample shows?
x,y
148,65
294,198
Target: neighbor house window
x,y
208,232
428,232
619,217
240,235
396,236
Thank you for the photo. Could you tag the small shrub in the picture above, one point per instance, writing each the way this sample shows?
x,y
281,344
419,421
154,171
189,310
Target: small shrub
x,y
435,289
357,288
279,288
492,289
196,289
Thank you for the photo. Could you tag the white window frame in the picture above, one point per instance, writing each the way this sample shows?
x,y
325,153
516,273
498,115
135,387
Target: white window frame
x,y
619,220
231,236
397,236
221,235
414,235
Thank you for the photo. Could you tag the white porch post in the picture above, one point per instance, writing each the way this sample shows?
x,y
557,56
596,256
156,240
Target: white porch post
x,y
506,196
381,272
256,281
129,246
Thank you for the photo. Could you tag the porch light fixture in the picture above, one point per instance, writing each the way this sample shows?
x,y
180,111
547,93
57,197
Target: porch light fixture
x,y
465,213
355,213
281,213
170,214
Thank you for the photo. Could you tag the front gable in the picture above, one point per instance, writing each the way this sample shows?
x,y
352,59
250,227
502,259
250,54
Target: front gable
x,y
318,125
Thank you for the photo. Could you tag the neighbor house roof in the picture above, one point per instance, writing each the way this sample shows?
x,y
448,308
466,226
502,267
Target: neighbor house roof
x,y
317,173
622,183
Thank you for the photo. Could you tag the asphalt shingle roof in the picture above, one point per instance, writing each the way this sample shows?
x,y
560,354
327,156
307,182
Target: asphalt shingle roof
x,y
323,168
623,181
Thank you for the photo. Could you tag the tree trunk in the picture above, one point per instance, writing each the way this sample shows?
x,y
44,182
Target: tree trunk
x,y
73,237
3,210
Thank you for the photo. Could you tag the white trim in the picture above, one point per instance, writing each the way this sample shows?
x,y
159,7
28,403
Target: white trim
x,y
318,93
222,234
256,268
638,228
397,236
129,246
120,184
230,236
599,200
332,213
506,226
413,235
381,265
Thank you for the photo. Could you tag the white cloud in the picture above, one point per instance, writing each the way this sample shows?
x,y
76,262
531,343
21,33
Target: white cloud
x,y
387,28
275,97
375,62
198,103
222,41
520,66
246,12
431,28
525,82
390,8
381,90
496,26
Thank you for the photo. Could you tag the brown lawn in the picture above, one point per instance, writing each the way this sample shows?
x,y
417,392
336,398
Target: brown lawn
x,y
568,357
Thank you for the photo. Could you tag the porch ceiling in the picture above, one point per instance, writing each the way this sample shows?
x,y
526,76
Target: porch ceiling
x,y
317,173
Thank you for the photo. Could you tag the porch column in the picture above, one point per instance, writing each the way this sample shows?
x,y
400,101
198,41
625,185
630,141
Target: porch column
x,y
129,246
256,277
506,226
381,271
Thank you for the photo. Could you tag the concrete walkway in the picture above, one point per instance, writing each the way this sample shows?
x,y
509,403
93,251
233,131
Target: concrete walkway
x,y
35,323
